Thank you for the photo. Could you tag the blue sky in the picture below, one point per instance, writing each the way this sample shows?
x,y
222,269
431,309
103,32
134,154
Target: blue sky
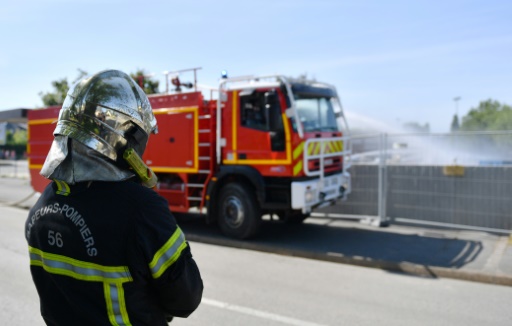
x,y
391,61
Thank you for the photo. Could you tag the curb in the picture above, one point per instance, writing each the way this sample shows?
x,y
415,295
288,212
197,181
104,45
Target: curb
x,y
402,267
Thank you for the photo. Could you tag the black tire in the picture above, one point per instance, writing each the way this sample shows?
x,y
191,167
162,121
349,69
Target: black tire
x,y
238,214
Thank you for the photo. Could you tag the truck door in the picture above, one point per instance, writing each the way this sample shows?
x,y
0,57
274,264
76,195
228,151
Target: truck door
x,y
175,147
258,129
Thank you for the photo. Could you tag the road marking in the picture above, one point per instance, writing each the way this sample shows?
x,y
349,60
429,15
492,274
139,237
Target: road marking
x,y
257,313
335,254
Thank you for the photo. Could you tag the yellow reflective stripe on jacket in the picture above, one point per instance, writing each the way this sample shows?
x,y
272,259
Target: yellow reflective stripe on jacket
x,y
78,269
116,307
112,277
62,188
168,254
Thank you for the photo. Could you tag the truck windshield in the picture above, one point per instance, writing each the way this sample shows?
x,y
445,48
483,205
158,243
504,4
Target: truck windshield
x,y
317,113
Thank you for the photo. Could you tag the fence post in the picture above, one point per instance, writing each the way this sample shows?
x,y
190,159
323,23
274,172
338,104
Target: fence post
x,y
382,196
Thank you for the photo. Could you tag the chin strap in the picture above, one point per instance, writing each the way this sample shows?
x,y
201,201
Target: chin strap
x,y
145,174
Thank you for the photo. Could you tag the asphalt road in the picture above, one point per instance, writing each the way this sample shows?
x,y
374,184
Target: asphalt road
x,y
244,287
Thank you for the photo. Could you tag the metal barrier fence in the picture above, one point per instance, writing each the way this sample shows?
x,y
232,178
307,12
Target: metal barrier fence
x,y
14,169
461,180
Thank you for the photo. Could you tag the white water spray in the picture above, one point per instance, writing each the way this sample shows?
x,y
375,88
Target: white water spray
x,y
406,148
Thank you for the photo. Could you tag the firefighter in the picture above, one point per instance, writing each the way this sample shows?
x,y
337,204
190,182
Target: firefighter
x,y
104,249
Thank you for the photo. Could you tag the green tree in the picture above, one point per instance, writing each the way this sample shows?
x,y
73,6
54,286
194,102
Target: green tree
x,y
9,137
19,137
489,115
58,95
60,90
145,81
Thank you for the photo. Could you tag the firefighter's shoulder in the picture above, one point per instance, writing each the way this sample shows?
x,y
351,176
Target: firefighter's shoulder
x,y
138,194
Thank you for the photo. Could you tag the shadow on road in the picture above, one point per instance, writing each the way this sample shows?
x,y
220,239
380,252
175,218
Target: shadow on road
x,y
345,243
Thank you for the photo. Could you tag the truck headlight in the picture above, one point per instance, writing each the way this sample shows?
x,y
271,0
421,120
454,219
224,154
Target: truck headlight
x,y
310,196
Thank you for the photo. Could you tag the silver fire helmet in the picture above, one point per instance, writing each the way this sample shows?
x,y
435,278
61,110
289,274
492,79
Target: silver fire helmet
x,y
101,116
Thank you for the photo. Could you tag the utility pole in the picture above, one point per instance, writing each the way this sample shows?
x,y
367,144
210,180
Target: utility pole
x,y
457,99
455,121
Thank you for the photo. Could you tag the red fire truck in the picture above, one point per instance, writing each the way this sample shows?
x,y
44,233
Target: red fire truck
x,y
266,145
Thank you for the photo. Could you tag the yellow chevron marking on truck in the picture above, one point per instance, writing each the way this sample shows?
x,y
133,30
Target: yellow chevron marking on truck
x,y
297,168
298,150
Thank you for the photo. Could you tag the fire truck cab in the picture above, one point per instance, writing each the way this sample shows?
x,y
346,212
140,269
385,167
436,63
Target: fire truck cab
x,y
267,145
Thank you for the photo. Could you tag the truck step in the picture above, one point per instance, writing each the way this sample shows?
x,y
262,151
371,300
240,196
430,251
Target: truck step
x,y
195,185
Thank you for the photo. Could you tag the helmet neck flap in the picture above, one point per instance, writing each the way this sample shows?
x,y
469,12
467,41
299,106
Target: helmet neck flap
x,y
72,162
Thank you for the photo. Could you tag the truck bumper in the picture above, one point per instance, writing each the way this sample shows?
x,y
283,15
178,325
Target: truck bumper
x,y
310,194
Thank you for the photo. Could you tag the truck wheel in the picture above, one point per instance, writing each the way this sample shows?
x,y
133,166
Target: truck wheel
x,y
239,215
